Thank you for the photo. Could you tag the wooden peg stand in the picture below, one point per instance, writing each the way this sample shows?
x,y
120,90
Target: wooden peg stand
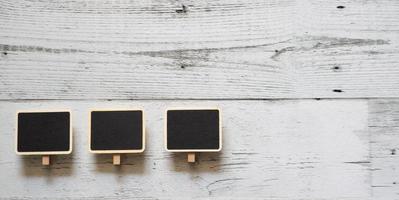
x,y
46,160
116,159
191,157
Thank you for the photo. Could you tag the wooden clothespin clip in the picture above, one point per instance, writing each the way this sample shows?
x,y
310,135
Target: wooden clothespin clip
x,y
116,159
46,160
191,157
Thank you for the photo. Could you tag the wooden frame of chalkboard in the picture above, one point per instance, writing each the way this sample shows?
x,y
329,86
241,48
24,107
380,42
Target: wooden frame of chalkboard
x,y
44,153
117,151
192,150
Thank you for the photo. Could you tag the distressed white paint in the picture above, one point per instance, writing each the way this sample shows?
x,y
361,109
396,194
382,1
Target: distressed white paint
x,y
226,49
384,144
272,149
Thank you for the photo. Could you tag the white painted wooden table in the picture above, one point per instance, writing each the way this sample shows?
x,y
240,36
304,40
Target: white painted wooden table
x,y
309,91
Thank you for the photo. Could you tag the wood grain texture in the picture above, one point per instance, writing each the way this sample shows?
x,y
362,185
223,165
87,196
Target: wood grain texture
x,y
199,49
74,54
300,149
384,140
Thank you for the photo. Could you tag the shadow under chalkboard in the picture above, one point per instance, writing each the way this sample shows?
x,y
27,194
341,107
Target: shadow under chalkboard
x,y
130,164
60,165
205,162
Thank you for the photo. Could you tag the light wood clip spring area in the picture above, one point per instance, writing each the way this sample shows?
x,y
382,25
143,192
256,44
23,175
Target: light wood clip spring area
x,y
191,157
46,160
116,159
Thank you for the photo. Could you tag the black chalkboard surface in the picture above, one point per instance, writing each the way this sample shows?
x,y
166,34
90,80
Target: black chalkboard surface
x,y
193,130
117,131
44,133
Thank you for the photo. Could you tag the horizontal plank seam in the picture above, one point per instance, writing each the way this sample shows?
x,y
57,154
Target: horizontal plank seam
x,y
204,99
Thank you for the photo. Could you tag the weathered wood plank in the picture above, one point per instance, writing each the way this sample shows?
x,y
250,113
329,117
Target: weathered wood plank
x,y
208,50
301,149
384,136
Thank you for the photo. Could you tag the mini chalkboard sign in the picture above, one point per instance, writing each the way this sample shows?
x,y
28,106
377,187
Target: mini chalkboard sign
x,y
44,133
193,130
116,132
